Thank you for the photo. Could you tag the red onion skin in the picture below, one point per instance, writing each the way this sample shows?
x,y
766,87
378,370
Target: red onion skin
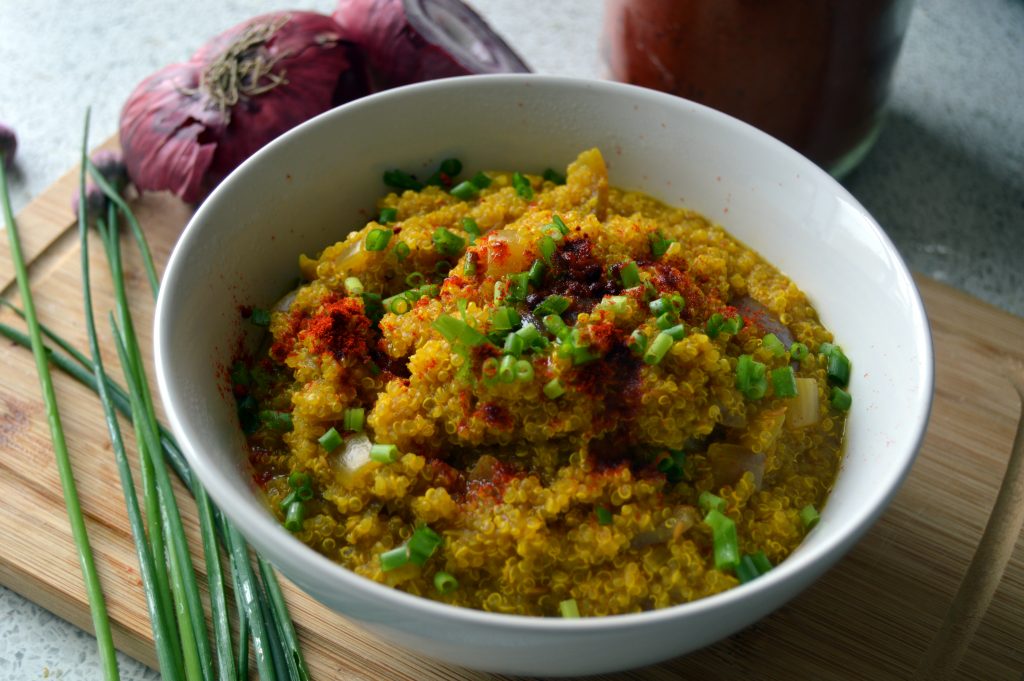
x,y
175,138
8,145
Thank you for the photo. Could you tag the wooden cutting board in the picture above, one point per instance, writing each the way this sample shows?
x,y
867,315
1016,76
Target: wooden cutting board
x,y
868,618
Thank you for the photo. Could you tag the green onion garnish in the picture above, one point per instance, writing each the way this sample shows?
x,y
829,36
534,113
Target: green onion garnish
x,y
415,279
470,227
387,216
352,419
530,335
658,348
553,176
353,286
659,245
382,453
569,609
547,248
809,516
838,368
394,559
559,223
840,399
619,305
465,191
504,319
604,516
276,420
553,389
524,370
442,268
422,544
469,269
536,273
677,332
798,351
784,382
733,325
489,367
826,348
507,367
514,345
553,304
330,440
746,571
402,250
401,180
556,326
630,275
518,286
397,304
710,502
522,186
444,582
772,343
294,517
750,377
457,331
760,562
377,239
447,242
480,180
450,167
260,317
726,545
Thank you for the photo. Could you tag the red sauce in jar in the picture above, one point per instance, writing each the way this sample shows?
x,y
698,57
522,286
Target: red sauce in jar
x,y
814,74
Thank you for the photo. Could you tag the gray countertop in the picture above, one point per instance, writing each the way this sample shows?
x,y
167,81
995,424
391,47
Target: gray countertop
x,y
945,179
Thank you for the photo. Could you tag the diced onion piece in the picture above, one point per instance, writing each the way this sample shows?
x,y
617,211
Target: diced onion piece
x,y
729,462
802,410
354,454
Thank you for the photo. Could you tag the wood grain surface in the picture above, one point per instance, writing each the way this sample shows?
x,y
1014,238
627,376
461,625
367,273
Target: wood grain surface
x,y
870,617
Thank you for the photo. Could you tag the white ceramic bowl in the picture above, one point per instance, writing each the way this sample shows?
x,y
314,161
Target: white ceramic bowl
x,y
310,187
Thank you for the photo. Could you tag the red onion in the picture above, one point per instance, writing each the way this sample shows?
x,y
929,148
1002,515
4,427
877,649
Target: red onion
x,y
188,125
406,41
8,145
110,165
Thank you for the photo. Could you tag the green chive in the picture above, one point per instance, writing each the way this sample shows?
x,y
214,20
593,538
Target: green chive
x,y
530,335
732,325
330,440
658,348
377,239
784,382
547,247
402,251
469,268
659,245
451,167
422,544
352,419
260,317
522,186
553,389
750,377
353,286
553,304
401,180
554,324
826,349
710,502
394,559
726,545
465,191
524,370
387,216
504,319
714,325
746,571
457,331
630,275
840,399
838,368
809,516
447,242
415,279
558,222
536,273
296,514
397,304
383,453
604,516
445,583
470,227
772,343
481,180
569,609
798,351
760,562
489,367
553,176
276,420
507,367
514,345
677,332
619,305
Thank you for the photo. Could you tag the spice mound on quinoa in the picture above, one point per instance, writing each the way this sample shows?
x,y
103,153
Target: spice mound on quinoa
x,y
542,395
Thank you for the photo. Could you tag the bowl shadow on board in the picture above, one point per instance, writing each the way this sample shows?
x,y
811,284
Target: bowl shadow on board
x,y
951,214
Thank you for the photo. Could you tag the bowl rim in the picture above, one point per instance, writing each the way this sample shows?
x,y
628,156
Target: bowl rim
x,y
296,558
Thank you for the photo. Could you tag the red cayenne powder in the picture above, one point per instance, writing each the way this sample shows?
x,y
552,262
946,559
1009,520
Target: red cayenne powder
x,y
339,327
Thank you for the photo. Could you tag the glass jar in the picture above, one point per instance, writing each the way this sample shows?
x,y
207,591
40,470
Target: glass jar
x,y
816,74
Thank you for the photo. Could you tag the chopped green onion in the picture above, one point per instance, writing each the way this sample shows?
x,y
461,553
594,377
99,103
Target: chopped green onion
x,y
619,305
733,325
298,480
507,367
772,343
442,267
401,180
838,370
518,286
402,250
240,374
457,331
260,317
658,348
397,304
536,273
294,517
553,304
553,389
377,239
604,516
382,453
291,497
524,370
750,377
447,242
422,544
470,227
465,191
746,571
840,399
558,222
480,180
553,176
665,321
710,502
630,275
714,325
451,167
826,349
798,351
522,186
387,216
415,279
580,353
504,319
444,582
353,286
394,559
469,269
809,516
530,335
352,419
330,440
726,545
637,342
569,609
659,245
276,420
760,562
489,368
784,382
547,248
514,345
556,326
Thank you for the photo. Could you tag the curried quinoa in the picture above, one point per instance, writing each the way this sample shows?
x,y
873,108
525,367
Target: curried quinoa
x,y
541,395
